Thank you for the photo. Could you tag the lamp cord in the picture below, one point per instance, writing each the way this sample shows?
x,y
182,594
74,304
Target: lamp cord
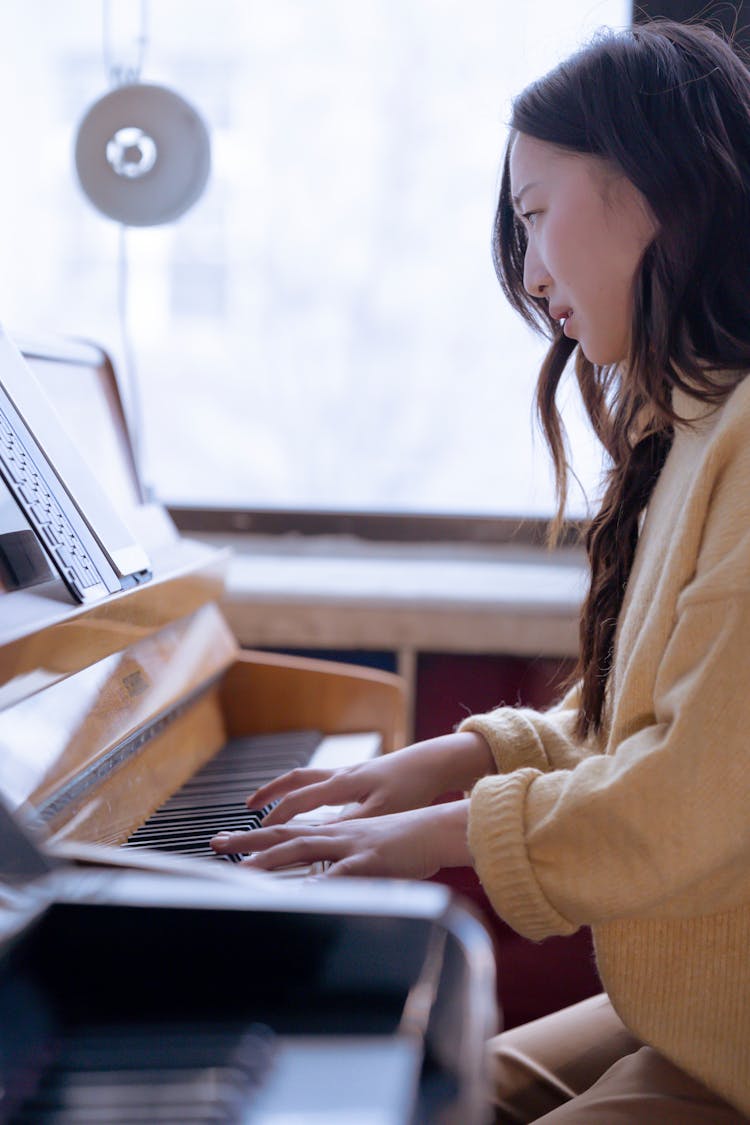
x,y
121,73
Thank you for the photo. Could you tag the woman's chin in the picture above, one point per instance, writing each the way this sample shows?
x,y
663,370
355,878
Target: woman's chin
x,y
601,357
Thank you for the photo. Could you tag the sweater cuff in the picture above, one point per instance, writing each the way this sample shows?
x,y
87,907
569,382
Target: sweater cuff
x,y
497,841
512,738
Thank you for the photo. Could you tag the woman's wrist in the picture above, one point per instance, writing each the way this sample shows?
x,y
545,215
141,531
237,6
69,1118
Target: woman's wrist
x,y
453,819
473,751
456,761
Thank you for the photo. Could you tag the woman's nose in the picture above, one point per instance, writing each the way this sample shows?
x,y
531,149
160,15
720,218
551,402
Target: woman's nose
x,y
535,276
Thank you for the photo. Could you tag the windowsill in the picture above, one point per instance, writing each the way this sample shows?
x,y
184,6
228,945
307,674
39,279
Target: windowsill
x,y
339,592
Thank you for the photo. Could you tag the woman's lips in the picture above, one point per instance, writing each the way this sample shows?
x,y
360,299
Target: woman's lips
x,y
561,314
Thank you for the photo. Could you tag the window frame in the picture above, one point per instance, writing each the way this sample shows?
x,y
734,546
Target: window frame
x,y
383,527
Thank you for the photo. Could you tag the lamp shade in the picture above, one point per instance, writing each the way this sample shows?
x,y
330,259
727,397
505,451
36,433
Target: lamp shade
x,y
142,155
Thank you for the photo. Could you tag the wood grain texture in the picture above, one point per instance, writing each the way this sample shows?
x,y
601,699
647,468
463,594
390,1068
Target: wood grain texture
x,y
128,797
266,692
44,637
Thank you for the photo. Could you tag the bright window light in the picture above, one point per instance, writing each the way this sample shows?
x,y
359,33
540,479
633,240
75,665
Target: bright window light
x,y
324,329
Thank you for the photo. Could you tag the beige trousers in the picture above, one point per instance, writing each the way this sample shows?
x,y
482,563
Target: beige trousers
x,y
582,1066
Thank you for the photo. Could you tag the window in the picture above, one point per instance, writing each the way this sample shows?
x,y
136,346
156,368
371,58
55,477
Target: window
x,y
324,329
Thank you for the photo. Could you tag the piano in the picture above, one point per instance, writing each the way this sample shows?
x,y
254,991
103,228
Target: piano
x,y
141,977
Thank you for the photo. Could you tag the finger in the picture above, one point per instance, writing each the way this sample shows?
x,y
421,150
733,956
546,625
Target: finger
x,y
228,843
302,850
304,800
357,865
357,810
285,783
257,839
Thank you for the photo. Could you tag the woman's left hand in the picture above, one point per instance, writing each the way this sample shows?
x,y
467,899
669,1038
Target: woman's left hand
x,y
405,845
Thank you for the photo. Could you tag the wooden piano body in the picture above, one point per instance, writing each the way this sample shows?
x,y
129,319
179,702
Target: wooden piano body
x,y
108,709
133,694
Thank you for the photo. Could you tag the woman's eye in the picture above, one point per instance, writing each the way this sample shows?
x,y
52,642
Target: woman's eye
x,y
529,217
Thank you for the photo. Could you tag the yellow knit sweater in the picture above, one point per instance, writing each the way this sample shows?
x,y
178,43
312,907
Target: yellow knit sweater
x,y
645,836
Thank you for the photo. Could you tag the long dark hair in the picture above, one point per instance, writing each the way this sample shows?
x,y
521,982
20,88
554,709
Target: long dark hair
x,y
668,105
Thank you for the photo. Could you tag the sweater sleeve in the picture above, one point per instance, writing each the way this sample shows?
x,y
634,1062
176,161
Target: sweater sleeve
x,y
543,740
659,828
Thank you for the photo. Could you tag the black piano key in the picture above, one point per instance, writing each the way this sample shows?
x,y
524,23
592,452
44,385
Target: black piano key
x,y
174,816
198,818
234,780
200,827
213,800
237,822
187,837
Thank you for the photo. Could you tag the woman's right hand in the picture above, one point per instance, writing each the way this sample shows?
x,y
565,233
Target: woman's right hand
x,y
404,779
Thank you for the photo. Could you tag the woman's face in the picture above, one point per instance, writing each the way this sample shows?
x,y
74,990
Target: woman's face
x,y
587,227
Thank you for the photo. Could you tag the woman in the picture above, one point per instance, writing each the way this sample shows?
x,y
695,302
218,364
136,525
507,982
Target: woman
x,y
623,232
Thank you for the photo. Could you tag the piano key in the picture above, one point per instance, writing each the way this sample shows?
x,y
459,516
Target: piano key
x,y
201,820
200,826
198,838
192,814
214,798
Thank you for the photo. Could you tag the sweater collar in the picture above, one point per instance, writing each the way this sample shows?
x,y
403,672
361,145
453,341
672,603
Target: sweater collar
x,y
691,408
